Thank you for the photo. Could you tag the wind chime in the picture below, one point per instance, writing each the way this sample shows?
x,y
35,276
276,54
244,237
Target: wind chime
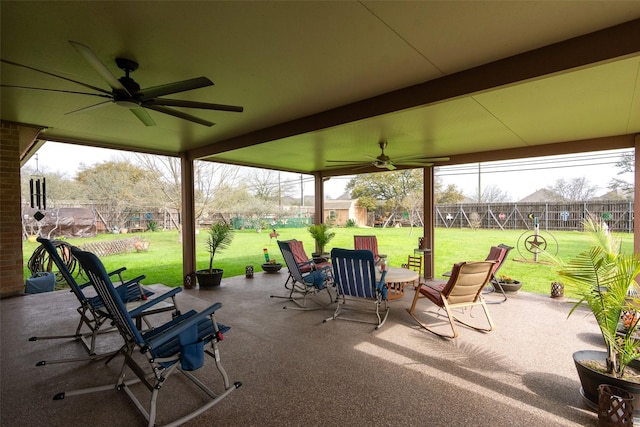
x,y
38,192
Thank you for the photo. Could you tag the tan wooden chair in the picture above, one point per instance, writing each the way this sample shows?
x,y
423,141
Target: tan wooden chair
x,y
415,263
462,290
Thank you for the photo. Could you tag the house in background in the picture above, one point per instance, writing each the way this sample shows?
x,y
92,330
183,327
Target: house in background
x,y
338,212
543,195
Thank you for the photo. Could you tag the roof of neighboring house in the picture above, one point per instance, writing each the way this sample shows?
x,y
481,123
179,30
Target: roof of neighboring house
x,y
340,204
614,195
543,195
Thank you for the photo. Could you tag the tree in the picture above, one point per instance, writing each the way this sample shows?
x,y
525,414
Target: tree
x,y
387,189
450,194
119,186
60,187
267,185
392,190
492,194
574,190
627,165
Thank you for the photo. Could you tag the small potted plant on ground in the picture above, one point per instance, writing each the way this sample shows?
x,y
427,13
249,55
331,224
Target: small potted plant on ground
x,y
603,278
322,235
508,284
219,237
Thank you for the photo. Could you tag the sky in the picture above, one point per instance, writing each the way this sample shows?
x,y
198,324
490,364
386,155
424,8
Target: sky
x,y
517,178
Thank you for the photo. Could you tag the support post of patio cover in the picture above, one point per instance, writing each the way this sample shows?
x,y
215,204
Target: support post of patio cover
x,y
188,221
318,213
429,220
636,198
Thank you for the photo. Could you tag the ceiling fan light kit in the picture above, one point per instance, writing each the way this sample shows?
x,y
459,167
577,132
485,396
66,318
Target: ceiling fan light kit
x,y
126,92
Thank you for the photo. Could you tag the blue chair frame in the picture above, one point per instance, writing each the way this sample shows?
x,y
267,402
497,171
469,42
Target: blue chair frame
x,y
354,273
91,309
304,286
176,346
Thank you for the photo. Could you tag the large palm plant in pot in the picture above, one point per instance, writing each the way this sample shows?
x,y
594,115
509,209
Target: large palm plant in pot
x,y
322,235
604,278
219,237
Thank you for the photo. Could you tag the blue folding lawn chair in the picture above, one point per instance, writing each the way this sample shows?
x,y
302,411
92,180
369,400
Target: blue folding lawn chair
x,y
354,273
176,346
91,309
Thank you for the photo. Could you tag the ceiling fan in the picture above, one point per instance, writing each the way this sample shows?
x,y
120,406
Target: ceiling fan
x,y
385,162
126,92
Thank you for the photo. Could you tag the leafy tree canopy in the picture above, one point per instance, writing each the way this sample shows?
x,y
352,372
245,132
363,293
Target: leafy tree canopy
x,y
391,190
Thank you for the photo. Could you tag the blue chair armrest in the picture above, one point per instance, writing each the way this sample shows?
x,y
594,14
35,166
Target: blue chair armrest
x,y
113,273
150,303
381,287
175,329
135,290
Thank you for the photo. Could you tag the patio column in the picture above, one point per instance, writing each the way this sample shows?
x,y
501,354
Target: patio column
x,y
429,221
318,212
636,197
11,275
188,222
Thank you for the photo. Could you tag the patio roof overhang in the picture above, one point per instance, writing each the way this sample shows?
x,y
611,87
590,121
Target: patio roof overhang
x,y
471,81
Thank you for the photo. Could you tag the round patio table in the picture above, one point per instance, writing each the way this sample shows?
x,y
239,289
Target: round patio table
x,y
396,279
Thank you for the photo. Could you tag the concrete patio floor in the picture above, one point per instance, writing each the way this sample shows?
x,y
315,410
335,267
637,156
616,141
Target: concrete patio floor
x,y
298,371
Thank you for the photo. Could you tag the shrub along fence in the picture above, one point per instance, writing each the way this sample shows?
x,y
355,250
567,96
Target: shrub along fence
x,y
567,216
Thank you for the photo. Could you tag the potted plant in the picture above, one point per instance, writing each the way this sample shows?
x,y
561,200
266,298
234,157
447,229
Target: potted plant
x,y
322,235
508,284
219,237
603,277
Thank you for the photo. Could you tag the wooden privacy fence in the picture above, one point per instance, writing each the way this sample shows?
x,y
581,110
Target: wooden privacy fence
x,y
551,216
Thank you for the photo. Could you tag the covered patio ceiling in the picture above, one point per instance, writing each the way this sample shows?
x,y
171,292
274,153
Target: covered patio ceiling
x,y
326,80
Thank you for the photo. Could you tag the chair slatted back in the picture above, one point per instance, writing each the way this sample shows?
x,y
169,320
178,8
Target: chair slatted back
x,y
369,243
354,272
467,281
290,260
415,263
110,296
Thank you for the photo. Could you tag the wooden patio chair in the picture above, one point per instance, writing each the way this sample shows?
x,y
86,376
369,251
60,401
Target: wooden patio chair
x,y
462,290
415,263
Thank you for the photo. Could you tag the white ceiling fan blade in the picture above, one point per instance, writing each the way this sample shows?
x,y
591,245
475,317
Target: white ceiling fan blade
x,y
97,65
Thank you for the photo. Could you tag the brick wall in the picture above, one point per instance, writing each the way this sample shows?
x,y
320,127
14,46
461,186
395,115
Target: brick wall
x,y
11,273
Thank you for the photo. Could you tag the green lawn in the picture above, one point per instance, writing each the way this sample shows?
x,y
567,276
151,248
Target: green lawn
x,y
163,262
